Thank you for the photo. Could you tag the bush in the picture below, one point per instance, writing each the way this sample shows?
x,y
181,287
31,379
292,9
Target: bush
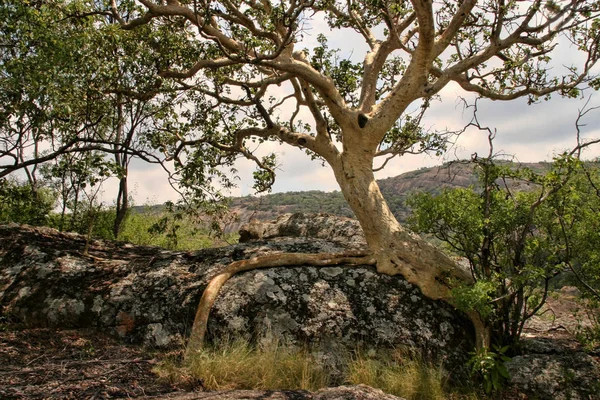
x,y
21,203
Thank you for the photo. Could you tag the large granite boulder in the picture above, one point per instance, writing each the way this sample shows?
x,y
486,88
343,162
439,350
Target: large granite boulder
x,y
552,369
149,295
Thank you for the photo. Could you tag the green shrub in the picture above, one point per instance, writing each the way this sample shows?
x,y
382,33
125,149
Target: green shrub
x,y
20,203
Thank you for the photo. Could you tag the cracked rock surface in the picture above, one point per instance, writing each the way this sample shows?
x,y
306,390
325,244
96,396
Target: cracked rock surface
x,y
553,370
358,392
149,295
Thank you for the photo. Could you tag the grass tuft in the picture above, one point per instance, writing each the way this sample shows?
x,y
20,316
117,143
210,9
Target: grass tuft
x,y
400,374
236,364
239,365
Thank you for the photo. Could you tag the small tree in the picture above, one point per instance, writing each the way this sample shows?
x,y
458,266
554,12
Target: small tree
x,y
576,226
515,241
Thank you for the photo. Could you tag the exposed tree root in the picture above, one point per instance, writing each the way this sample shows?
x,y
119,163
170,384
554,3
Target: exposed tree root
x,y
209,296
430,286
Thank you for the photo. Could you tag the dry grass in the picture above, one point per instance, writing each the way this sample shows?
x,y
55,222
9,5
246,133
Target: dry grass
x,y
398,373
235,364
238,365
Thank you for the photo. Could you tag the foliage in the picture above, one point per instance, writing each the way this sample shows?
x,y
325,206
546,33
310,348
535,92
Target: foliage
x,y
101,224
589,335
575,224
171,231
490,366
513,241
75,86
209,92
78,179
24,204
161,83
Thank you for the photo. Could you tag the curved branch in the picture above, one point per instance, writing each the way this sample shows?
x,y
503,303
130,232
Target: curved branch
x,y
299,66
455,24
209,296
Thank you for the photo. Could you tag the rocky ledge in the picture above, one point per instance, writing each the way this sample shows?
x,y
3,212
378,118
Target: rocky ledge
x,y
149,295
359,392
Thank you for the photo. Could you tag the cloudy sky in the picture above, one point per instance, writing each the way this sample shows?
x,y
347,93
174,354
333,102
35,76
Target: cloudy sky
x,y
528,132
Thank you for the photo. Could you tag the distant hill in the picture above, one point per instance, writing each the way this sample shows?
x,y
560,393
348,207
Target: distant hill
x,y
395,190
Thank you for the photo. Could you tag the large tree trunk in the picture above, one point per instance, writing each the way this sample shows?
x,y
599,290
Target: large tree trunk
x,y
398,251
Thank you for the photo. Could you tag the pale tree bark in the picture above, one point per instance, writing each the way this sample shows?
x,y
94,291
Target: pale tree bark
x,y
476,44
395,249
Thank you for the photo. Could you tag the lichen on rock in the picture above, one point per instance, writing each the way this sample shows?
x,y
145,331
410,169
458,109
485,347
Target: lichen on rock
x,y
149,295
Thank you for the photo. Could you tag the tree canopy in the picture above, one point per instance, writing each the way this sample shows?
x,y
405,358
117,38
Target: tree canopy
x,y
241,74
216,78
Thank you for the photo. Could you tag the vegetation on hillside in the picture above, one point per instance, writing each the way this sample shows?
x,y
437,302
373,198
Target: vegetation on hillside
x,y
163,226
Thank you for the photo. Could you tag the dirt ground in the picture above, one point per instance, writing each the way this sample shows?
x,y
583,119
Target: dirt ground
x,y
85,364
75,364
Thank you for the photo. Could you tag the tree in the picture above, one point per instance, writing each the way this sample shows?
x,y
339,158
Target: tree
x,y
231,59
576,226
576,215
516,240
77,178
245,49
69,82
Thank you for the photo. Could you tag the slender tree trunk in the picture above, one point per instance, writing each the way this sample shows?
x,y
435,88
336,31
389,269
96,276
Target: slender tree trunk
x,y
122,160
122,206
397,250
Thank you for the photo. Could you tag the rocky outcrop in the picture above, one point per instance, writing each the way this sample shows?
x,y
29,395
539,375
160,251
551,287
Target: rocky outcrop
x,y
359,392
551,370
149,295
321,226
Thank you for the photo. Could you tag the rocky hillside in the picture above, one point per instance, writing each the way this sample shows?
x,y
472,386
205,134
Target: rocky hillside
x,y
395,190
58,302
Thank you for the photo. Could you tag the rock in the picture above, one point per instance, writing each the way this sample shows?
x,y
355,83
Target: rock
x,y
549,370
359,392
149,295
571,291
322,226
